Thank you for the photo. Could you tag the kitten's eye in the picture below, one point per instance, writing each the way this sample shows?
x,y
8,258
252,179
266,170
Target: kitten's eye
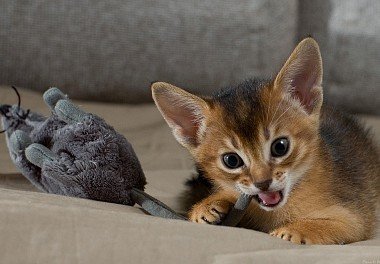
x,y
232,160
279,147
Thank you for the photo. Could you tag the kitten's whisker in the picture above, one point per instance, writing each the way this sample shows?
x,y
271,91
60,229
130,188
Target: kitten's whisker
x,y
282,114
284,120
250,221
278,106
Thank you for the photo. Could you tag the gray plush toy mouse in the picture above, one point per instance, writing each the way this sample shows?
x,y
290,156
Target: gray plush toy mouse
x,y
78,154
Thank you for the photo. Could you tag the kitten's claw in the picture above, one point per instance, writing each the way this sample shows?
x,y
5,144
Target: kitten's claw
x,y
210,212
294,236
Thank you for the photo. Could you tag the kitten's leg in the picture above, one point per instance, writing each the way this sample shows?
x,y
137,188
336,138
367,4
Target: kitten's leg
x,y
341,228
212,209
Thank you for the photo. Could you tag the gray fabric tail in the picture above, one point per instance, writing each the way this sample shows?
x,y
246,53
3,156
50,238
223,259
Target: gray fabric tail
x,y
157,208
154,206
238,211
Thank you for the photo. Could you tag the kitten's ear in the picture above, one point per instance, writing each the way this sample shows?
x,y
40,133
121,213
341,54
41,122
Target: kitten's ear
x,y
301,76
183,111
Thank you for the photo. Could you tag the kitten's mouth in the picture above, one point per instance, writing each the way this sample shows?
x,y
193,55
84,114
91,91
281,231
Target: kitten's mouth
x,y
269,199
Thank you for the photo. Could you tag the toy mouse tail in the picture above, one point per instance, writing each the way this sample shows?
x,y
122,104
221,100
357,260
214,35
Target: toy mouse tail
x,y
238,211
154,206
157,208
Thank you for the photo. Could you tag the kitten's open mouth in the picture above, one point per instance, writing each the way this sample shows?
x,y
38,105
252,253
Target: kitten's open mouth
x,y
269,199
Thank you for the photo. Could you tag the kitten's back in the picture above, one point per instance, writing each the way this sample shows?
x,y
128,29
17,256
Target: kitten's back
x,y
355,158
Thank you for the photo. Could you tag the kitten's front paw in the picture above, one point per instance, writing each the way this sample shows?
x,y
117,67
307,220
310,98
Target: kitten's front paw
x,y
210,212
296,236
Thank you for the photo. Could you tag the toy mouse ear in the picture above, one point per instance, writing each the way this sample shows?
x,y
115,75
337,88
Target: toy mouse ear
x,y
301,76
63,107
38,154
52,96
184,112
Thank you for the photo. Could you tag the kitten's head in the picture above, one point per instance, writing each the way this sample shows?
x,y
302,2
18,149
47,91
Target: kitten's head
x,y
258,138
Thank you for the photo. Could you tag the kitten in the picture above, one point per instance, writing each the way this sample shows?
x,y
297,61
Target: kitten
x,y
312,170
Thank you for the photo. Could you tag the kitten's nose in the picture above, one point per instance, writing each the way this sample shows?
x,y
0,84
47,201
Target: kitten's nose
x,y
264,185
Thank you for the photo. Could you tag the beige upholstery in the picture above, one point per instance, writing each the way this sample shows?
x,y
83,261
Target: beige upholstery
x,y
43,228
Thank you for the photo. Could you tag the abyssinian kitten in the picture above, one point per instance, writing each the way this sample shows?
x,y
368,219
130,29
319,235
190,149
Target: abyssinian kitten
x,y
312,170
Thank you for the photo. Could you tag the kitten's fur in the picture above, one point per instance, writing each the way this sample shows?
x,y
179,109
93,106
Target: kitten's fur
x,y
327,179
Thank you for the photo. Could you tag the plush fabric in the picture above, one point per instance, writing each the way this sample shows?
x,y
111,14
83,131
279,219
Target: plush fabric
x,y
69,158
42,228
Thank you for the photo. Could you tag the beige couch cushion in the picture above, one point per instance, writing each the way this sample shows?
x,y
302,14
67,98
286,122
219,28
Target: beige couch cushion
x,y
43,228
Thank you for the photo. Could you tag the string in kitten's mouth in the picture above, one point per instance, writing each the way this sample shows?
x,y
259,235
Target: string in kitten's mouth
x,y
269,199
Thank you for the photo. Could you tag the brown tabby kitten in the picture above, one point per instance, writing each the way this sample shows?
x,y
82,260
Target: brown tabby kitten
x,y
312,170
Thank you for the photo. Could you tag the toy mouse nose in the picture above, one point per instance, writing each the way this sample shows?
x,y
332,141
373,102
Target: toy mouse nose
x,y
4,109
263,185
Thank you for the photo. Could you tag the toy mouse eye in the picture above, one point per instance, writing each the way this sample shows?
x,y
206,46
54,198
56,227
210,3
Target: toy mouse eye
x,y
232,160
279,147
